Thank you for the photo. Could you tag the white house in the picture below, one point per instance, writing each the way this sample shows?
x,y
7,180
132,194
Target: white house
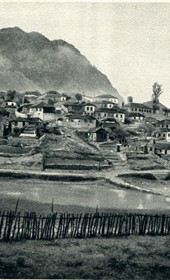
x,y
89,108
43,111
105,113
107,97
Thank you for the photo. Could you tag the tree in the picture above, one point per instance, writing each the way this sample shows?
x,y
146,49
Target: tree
x,y
147,128
157,91
11,94
120,134
78,96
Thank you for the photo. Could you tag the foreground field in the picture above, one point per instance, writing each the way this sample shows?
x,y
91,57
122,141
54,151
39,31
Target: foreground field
x,y
114,258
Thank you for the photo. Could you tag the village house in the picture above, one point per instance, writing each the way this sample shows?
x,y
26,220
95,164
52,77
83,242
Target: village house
x,y
9,104
167,112
23,122
138,107
163,123
109,123
31,96
98,135
64,97
74,106
160,110
106,98
163,133
160,148
105,113
106,104
135,117
52,97
80,121
89,109
80,107
43,111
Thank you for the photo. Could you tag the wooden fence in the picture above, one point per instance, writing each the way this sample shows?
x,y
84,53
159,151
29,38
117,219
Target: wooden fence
x,y
14,226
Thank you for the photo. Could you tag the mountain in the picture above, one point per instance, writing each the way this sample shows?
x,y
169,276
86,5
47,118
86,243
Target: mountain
x,y
30,61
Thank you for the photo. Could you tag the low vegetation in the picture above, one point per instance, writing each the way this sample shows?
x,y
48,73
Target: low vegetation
x,y
99,258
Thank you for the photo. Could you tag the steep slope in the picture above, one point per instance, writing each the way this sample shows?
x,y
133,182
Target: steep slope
x,y
30,61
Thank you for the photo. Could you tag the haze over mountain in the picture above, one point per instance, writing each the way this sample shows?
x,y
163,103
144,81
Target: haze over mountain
x,y
30,61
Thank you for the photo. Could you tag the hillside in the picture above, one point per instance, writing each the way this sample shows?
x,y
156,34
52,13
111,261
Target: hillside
x,y
30,61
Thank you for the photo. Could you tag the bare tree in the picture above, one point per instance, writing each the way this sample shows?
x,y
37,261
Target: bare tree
x,y
157,91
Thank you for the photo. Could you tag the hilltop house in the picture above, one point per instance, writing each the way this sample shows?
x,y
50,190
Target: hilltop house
x,y
138,107
106,98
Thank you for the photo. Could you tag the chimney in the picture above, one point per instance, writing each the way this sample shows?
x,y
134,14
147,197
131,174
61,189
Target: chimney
x,y
130,99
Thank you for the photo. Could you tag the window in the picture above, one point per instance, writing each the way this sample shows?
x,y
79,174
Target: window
x,y
91,108
87,108
116,115
121,116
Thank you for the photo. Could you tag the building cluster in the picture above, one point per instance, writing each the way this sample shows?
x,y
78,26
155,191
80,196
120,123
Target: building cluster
x,y
23,115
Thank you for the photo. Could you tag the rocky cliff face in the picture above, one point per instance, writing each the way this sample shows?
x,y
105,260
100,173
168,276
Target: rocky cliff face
x,y
30,61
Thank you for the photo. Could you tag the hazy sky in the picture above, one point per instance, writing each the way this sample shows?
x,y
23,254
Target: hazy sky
x,y
129,42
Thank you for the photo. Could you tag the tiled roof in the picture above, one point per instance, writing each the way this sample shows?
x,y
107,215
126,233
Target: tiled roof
x,y
162,145
106,96
136,114
41,105
83,117
19,119
137,105
111,110
93,130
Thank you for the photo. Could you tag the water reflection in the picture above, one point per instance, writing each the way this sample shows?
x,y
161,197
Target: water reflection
x,y
85,194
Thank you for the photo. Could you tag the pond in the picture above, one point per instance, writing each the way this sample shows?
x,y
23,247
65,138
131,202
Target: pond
x,y
86,194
